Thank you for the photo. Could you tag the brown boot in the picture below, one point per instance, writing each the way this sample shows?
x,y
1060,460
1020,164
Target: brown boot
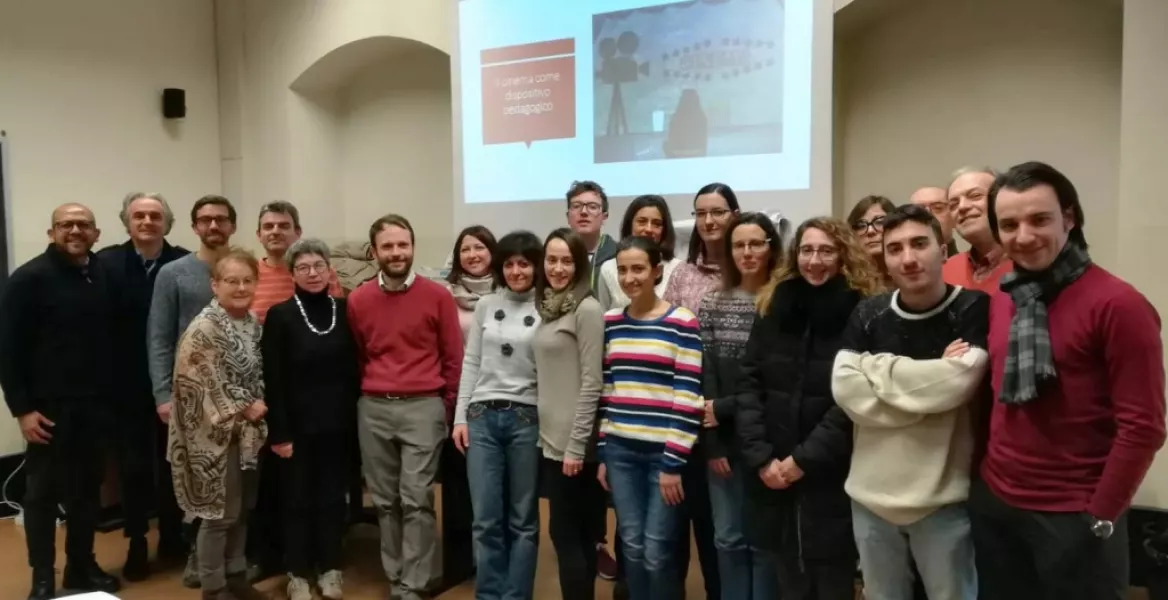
x,y
240,589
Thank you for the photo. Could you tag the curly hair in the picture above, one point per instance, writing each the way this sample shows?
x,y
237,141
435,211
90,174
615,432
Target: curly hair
x,y
855,264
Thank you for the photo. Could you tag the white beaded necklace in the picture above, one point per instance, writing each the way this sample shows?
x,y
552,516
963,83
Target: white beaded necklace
x,y
309,323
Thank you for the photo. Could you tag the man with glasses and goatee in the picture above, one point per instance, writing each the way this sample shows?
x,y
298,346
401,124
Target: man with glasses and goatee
x,y
55,333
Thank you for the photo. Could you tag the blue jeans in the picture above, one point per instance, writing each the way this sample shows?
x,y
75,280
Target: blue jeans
x,y
747,573
648,527
503,471
941,545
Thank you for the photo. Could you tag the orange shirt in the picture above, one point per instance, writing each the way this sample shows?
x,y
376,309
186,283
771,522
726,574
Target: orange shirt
x,y
275,285
974,273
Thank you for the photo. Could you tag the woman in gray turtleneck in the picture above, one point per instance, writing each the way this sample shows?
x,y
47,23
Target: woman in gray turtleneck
x,y
497,425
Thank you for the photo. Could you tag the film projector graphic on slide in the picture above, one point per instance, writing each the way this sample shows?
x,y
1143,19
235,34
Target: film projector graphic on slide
x,y
618,66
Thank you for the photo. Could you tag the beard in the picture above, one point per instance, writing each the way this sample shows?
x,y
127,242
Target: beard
x,y
214,240
397,271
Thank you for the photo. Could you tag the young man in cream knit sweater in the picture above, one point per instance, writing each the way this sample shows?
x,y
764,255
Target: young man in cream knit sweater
x,y
911,362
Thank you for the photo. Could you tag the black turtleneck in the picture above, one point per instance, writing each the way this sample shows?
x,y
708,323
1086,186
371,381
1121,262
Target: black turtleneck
x,y
312,381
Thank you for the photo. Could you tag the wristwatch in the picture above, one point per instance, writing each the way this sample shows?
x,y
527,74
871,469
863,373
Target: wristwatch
x,y
1101,528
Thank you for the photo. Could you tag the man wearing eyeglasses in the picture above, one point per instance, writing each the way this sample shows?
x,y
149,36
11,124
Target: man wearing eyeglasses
x,y
181,290
139,439
55,336
587,212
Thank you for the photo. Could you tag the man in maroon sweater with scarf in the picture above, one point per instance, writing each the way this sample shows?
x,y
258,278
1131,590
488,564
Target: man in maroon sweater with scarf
x,y
1078,379
410,348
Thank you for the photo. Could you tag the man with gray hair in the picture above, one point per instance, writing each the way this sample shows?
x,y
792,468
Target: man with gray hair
x,y
139,439
984,264
936,201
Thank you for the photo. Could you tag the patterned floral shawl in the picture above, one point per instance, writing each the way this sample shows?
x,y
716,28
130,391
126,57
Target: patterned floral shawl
x,y
218,372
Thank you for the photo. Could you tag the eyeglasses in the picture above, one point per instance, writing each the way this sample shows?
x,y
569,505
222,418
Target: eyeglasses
x,y
824,252
717,213
752,245
206,221
67,226
238,283
586,207
862,226
320,267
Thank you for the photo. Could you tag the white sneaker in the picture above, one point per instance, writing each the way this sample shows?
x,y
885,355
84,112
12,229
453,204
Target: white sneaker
x,y
330,585
298,588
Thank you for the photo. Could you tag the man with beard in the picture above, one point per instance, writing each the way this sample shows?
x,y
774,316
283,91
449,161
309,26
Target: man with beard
x,y
55,326
410,344
139,438
182,289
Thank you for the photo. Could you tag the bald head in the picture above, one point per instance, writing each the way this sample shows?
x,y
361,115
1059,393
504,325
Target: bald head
x,y
74,230
936,201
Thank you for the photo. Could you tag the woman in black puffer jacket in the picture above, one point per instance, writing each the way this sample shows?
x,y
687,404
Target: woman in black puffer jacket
x,y
794,438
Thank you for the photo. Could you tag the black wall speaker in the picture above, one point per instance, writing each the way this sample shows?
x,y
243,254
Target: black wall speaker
x,y
174,103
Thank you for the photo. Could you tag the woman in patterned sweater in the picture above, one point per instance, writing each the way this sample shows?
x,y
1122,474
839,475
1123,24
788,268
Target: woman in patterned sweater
x,y
795,442
652,410
752,251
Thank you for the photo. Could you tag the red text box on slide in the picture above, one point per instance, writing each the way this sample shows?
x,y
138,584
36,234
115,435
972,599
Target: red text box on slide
x,y
533,98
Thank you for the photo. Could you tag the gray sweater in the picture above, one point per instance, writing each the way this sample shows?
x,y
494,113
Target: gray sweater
x,y
488,371
181,290
569,360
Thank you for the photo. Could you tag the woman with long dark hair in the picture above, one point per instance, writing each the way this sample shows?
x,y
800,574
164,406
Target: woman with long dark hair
x,y
715,207
569,357
795,442
752,251
470,275
647,216
496,422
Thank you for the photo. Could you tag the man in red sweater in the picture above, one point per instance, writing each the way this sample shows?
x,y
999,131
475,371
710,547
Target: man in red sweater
x,y
1078,379
410,346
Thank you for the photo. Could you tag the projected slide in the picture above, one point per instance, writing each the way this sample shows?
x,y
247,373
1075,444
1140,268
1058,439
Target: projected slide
x,y
642,96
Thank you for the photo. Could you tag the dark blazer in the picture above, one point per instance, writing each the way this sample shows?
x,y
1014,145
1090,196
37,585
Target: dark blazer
x,y
132,289
785,408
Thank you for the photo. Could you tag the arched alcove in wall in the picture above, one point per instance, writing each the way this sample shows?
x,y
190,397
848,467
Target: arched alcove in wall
x,y
370,133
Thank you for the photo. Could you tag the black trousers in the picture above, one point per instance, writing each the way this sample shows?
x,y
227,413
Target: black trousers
x,y
265,524
146,484
815,581
458,563
314,482
697,510
573,504
68,471
1030,555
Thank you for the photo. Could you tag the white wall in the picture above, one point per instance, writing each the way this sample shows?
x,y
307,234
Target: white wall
x,y
396,154
80,87
944,83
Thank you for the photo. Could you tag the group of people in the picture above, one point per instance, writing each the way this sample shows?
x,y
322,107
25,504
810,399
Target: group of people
x,y
958,425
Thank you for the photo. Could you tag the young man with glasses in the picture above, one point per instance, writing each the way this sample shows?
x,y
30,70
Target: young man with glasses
x,y
587,212
181,290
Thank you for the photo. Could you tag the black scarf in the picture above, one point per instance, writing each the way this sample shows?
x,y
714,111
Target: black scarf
x,y
823,309
1029,360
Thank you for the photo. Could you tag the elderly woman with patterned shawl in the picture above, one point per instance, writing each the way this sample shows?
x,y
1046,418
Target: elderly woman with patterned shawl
x,y
217,426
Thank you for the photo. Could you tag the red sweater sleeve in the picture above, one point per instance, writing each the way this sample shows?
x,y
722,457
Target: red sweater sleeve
x,y
450,345
1134,356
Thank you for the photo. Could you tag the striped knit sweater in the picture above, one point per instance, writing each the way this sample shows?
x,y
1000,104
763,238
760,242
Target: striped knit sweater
x,y
652,399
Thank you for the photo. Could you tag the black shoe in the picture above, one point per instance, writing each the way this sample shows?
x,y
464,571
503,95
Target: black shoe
x,y
44,585
88,577
137,560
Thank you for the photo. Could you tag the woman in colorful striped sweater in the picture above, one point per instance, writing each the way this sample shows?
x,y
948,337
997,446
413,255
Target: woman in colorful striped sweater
x,y
652,410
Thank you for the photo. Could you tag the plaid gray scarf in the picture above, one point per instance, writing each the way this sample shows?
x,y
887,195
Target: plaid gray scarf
x,y
1029,361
